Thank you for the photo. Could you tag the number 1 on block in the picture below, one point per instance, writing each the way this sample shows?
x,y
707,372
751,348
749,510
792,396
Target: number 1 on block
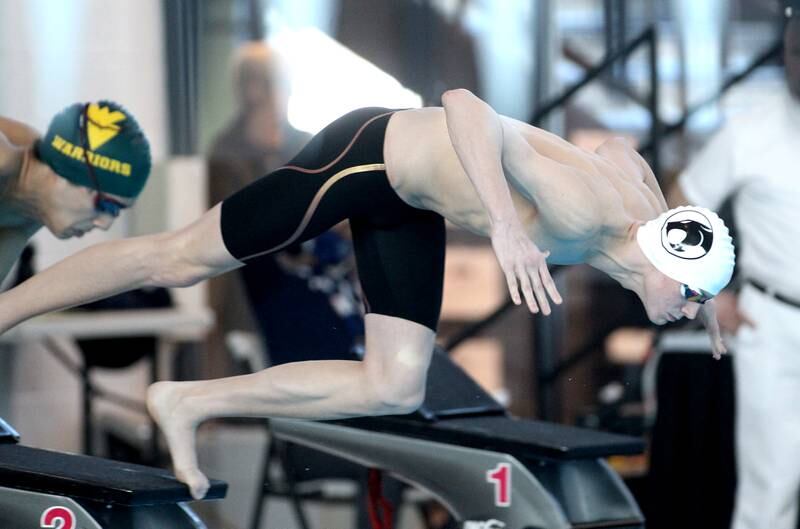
x,y
500,476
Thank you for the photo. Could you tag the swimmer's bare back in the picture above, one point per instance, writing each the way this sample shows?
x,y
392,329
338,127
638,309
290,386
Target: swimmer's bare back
x,y
564,195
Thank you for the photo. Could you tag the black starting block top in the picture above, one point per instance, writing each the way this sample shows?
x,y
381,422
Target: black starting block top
x,y
92,478
500,433
457,411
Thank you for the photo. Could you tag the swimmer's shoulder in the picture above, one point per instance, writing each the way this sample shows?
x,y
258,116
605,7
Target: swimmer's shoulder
x,y
437,114
14,136
419,114
18,133
418,123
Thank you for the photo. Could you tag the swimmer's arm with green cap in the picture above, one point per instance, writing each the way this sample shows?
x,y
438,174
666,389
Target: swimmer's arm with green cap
x,y
172,259
477,136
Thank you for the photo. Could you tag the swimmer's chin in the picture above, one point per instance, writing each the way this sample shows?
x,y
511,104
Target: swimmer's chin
x,y
663,320
69,234
658,320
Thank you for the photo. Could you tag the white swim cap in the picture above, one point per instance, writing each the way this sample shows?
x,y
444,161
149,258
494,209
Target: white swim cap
x,y
690,245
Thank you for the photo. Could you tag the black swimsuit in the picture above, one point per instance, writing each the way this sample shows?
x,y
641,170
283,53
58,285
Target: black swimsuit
x,y
341,175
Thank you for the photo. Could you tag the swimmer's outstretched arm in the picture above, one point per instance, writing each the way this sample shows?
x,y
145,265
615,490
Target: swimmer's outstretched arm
x,y
477,136
172,259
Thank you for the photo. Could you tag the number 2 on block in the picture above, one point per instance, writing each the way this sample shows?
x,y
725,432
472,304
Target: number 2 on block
x,y
58,518
500,476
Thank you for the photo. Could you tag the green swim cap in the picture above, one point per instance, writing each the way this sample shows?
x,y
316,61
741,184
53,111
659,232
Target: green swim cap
x,y
117,148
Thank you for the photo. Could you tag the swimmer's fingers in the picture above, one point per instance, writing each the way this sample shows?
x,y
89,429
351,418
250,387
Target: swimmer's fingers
x,y
718,349
542,281
527,285
712,327
708,316
513,289
538,288
547,281
717,346
525,268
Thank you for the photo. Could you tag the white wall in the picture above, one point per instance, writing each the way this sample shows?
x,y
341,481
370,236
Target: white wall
x,y
54,53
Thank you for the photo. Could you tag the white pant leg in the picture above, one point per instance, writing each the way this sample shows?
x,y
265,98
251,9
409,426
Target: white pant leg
x,y
767,372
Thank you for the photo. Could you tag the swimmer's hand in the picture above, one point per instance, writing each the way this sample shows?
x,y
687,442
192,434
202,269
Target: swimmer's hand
x,y
708,315
524,266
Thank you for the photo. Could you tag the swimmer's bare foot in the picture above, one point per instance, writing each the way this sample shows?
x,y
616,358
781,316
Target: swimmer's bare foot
x,y
165,404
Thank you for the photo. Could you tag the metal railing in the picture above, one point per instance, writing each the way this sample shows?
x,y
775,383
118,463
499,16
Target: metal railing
x,y
646,38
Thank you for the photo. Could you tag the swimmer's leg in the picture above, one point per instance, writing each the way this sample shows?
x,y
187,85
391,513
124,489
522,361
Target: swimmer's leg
x,y
401,269
390,380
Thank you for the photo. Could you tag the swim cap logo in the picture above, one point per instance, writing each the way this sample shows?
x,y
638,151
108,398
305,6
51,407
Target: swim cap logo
x,y
687,234
103,125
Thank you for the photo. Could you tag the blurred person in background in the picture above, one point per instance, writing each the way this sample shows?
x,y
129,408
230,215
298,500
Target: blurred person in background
x,y
754,157
302,301
93,162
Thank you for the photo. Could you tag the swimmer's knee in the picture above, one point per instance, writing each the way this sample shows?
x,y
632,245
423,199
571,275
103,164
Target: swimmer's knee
x,y
396,388
393,400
